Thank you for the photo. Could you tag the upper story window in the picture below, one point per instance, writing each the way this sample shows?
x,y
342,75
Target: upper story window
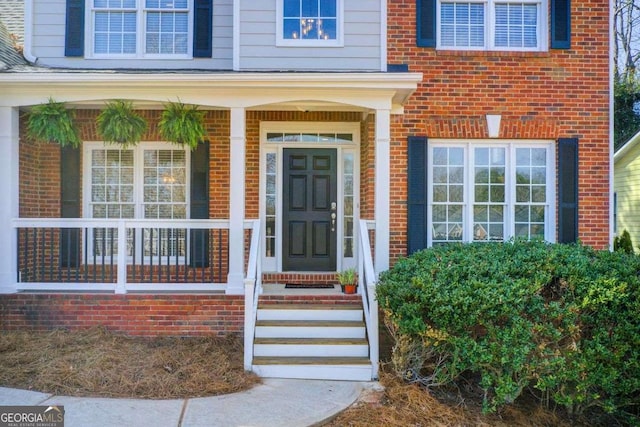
x,y
139,28
492,24
310,22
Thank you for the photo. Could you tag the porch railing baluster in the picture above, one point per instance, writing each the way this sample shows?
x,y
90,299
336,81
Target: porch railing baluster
x,y
85,250
150,255
133,256
113,235
220,252
50,245
93,250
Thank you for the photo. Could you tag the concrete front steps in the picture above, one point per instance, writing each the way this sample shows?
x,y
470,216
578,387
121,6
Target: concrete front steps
x,y
312,340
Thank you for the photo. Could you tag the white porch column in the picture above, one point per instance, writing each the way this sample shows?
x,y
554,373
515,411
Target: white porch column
x,y
382,185
237,151
9,197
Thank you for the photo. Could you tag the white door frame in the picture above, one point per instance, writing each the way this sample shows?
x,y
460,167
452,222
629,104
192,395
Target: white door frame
x,y
273,263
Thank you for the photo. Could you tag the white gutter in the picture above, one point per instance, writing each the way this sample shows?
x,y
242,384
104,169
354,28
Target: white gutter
x,y
236,35
28,32
319,80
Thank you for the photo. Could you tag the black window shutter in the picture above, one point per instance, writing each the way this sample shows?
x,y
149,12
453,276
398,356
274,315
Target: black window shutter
x,y
568,190
70,205
426,23
417,186
199,239
560,24
74,28
202,28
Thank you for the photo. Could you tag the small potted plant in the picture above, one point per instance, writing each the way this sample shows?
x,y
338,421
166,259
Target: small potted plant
x,y
118,123
347,280
182,124
53,122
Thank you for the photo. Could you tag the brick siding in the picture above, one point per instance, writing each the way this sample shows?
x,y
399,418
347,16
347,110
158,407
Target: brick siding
x,y
545,95
133,314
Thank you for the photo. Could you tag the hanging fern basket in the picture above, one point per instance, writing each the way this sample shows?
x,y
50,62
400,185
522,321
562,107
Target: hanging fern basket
x,y
118,123
182,124
53,122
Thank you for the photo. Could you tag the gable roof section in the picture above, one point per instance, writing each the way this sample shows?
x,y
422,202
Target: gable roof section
x,y
11,33
626,147
12,15
9,56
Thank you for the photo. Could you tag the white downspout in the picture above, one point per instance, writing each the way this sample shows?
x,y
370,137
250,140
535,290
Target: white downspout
x,y
383,36
28,32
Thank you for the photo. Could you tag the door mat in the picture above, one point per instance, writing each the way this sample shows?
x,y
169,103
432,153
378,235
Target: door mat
x,y
307,286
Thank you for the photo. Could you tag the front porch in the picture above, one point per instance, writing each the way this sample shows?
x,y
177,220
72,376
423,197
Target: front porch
x,y
157,239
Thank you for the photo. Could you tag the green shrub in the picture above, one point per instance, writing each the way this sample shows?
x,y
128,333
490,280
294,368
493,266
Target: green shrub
x,y
623,243
562,319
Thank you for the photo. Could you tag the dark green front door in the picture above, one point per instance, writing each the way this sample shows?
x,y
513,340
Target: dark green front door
x,y
309,209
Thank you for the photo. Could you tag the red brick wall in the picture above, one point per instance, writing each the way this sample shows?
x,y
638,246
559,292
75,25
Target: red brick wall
x,y
40,163
548,95
133,314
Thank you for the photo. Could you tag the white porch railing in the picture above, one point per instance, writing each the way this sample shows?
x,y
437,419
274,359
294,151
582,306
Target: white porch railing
x,y
367,283
161,255
252,291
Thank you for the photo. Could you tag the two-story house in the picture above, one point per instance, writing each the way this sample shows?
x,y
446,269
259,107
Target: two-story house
x,y
340,134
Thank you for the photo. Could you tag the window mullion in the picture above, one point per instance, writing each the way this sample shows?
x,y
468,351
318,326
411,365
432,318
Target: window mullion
x,y
141,28
510,195
469,193
490,24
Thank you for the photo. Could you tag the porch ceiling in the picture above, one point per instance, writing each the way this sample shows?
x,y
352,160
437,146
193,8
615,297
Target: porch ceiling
x,y
252,91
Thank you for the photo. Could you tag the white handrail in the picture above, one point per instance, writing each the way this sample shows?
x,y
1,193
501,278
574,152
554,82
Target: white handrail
x,y
115,223
252,290
368,280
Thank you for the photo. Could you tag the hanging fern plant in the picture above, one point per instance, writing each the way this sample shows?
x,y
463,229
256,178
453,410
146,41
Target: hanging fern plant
x,y
182,124
53,122
118,123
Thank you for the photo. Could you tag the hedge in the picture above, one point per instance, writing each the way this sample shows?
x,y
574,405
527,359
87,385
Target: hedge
x,y
560,319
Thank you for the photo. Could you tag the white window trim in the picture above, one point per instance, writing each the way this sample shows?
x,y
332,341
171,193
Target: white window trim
x,y
510,196
274,263
337,42
140,36
489,26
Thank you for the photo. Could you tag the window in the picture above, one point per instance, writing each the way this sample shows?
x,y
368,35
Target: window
x,y
148,183
492,24
309,22
490,192
139,28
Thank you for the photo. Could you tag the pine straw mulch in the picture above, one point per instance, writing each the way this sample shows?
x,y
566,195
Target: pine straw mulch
x,y
402,405
99,363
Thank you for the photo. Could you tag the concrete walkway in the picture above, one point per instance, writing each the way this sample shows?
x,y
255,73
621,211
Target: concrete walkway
x,y
275,402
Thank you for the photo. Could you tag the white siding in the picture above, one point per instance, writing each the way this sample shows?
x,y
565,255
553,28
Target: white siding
x,y
360,52
48,42
627,187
